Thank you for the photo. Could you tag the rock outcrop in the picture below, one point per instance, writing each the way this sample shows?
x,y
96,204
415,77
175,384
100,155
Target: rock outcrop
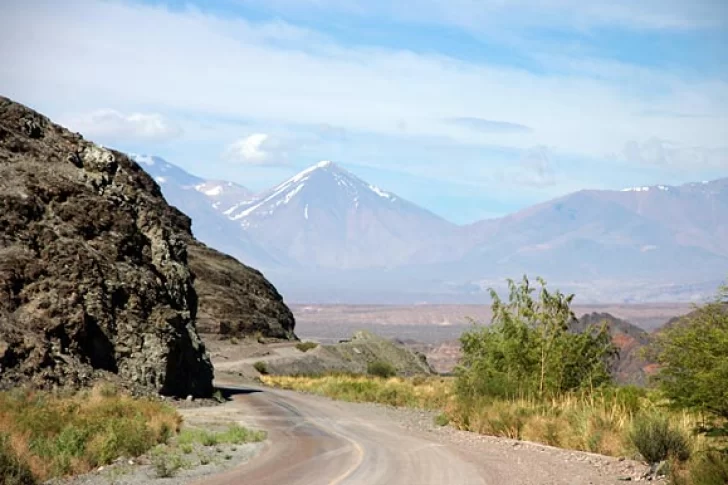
x,y
94,278
236,300
352,356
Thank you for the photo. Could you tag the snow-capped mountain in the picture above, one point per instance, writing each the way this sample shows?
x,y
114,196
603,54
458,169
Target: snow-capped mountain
x,y
327,217
326,235
220,193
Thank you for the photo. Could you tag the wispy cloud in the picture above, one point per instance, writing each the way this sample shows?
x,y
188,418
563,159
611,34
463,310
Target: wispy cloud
x,y
489,126
190,61
111,125
259,149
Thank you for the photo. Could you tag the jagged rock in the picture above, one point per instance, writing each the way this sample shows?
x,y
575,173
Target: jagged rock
x,y
236,300
94,276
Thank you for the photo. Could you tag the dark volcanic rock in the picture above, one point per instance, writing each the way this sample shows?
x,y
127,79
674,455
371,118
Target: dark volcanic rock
x,y
93,267
235,299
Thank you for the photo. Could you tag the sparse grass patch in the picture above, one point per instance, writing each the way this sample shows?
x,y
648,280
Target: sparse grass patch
x,y
431,393
166,461
306,346
59,434
233,435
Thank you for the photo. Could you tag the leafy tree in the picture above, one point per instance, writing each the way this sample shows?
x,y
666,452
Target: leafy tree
x,y
530,350
693,358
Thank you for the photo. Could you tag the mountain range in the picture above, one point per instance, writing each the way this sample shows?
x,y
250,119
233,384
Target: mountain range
x,y
325,235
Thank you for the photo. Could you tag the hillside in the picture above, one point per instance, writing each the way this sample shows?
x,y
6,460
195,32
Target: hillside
x,y
94,272
631,367
677,233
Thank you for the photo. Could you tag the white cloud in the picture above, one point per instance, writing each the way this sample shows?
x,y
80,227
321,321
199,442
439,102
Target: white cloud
x,y
111,125
257,149
129,54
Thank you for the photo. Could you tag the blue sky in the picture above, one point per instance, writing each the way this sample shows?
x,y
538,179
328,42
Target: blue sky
x,y
470,108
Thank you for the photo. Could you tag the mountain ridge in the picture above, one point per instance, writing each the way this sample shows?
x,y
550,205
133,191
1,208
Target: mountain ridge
x,y
330,225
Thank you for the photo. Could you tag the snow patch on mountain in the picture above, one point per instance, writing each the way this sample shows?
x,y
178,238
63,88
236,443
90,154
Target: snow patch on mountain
x,y
211,191
381,193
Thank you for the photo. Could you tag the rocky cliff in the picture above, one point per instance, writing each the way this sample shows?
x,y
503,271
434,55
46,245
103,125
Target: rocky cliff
x,y
236,300
94,273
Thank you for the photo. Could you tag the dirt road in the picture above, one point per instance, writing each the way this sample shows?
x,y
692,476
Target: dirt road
x,y
313,440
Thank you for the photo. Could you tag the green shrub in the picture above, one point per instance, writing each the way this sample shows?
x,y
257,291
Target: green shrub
x,y
306,346
12,470
696,379
382,369
530,348
710,468
442,419
657,440
261,367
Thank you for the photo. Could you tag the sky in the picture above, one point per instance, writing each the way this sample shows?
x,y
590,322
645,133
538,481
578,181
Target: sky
x,y
470,108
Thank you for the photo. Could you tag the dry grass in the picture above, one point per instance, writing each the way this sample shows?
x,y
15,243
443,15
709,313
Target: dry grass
x,y
418,392
56,434
599,423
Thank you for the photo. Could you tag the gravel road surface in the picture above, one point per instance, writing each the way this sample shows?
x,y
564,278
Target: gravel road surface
x,y
314,440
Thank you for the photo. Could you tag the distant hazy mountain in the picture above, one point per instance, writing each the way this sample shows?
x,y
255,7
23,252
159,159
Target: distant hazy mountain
x,y
672,234
326,217
325,235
